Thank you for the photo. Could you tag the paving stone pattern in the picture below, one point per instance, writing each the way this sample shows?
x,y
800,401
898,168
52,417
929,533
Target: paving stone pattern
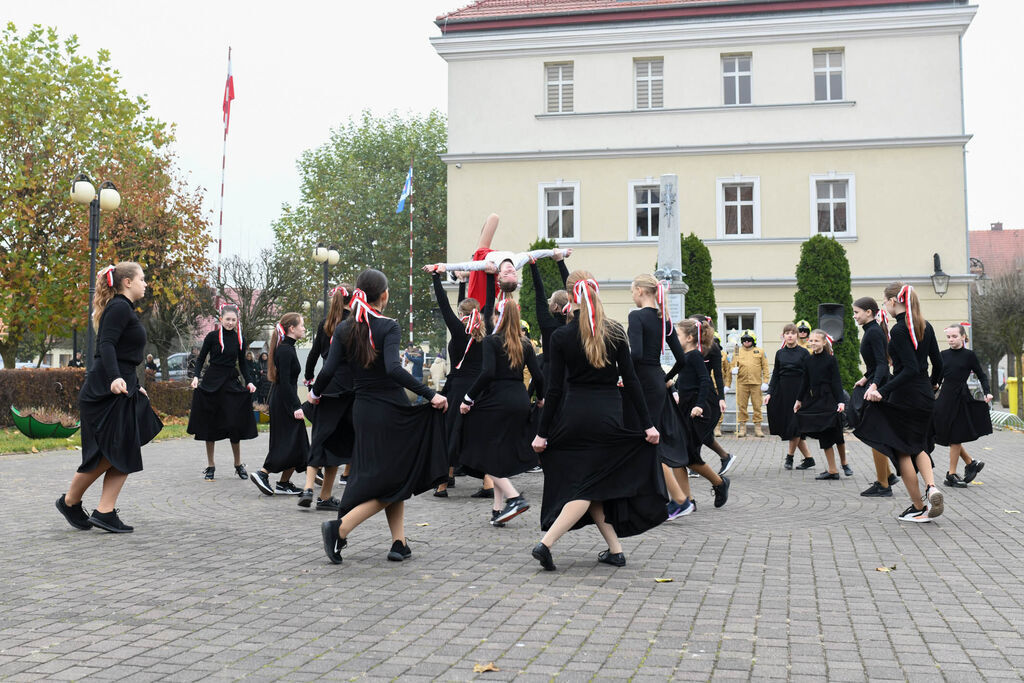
x,y
220,583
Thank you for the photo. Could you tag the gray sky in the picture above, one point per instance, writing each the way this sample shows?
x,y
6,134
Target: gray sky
x,y
304,67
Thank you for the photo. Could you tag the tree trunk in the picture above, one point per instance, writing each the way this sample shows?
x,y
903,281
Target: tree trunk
x,y
993,378
9,352
162,352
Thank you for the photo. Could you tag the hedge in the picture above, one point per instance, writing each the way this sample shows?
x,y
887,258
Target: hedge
x,y
39,387
171,398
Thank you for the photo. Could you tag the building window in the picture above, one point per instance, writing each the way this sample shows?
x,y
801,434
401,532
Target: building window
x,y
649,83
644,209
736,77
559,87
828,75
559,217
734,321
833,207
739,207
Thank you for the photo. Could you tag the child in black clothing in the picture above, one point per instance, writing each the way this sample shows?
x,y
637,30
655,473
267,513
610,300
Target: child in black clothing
x,y
819,403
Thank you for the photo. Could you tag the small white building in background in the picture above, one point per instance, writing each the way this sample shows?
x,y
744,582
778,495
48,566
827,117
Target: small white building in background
x,y
782,120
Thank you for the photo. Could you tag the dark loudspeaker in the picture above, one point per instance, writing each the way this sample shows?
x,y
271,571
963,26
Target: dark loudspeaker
x,y
831,319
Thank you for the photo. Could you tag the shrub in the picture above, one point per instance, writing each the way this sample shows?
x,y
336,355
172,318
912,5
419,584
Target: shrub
x,y
171,398
696,263
45,388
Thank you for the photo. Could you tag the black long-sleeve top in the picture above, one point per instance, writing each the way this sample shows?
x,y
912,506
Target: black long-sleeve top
x,y
820,370
225,364
872,350
548,321
385,372
644,332
713,366
286,363
457,329
496,366
957,366
335,376
789,362
121,337
568,362
321,346
908,362
693,377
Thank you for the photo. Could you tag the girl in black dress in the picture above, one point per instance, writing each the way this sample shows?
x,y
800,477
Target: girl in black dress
x,y
499,429
263,388
116,417
897,417
595,470
873,347
820,400
787,373
959,417
221,406
289,443
399,449
712,353
650,331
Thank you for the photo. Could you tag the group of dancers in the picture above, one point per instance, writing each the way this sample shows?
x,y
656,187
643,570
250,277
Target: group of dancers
x,y
616,437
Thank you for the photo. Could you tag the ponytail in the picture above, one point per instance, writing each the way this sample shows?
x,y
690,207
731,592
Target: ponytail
x,y
370,287
287,322
108,284
906,295
510,329
340,297
594,328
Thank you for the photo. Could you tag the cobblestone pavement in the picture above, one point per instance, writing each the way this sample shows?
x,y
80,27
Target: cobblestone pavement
x,y
219,582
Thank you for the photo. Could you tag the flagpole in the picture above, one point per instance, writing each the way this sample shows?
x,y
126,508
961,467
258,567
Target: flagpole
x,y
411,184
223,165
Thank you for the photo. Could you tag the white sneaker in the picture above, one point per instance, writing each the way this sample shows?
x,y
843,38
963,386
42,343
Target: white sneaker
x,y
935,502
912,514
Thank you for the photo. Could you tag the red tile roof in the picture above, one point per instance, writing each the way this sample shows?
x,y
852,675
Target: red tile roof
x,y
499,14
999,250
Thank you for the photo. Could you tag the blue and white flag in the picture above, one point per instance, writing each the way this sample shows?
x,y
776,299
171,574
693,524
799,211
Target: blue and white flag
x,y
406,191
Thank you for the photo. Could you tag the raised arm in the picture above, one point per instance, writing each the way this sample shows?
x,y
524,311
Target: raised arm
x,y
540,299
451,320
488,310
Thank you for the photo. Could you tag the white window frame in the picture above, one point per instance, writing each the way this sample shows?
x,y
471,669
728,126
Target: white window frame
x,y
737,75
828,70
650,79
742,310
542,209
632,205
560,83
851,203
720,184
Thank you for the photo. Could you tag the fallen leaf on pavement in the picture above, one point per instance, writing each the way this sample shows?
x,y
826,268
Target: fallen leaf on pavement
x,y
663,580
481,668
423,524
1012,512
976,483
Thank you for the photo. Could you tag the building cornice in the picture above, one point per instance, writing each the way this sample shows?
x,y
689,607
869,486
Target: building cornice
x,y
651,36
691,110
918,281
708,150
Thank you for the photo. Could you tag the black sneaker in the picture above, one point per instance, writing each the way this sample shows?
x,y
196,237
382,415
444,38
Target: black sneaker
x,y
440,493
721,492
912,514
806,464
542,554
306,498
847,470
286,488
513,508
333,545
893,480
483,493
876,490
789,462
399,551
494,516
240,471
827,475
614,559
971,471
262,481
935,502
319,478
109,521
74,514
331,504
535,470
342,480
953,480
727,462
208,473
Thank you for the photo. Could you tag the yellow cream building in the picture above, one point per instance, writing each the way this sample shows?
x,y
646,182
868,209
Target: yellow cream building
x,y
842,118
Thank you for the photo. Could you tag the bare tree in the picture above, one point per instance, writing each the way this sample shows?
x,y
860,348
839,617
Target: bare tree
x,y
172,326
255,286
1001,312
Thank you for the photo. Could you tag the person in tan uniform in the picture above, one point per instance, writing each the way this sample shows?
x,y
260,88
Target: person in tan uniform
x,y
751,379
803,331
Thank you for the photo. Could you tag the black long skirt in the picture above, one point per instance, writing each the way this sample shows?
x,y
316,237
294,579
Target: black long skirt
x,y
672,447
592,456
399,449
224,413
782,420
289,442
455,390
332,437
901,424
959,417
115,426
497,433
698,431
819,419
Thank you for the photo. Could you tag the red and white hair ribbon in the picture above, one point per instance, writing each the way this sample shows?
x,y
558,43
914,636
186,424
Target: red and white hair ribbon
x,y
904,298
699,335
666,322
220,328
501,313
363,311
566,308
883,319
965,324
581,292
280,330
109,273
472,324
830,339
339,288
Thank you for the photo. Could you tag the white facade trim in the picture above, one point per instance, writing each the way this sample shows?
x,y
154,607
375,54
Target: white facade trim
x,y
687,110
631,236
542,222
851,203
703,150
720,183
744,30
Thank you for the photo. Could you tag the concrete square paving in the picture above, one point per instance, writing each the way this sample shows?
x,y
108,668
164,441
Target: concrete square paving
x,y
221,583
